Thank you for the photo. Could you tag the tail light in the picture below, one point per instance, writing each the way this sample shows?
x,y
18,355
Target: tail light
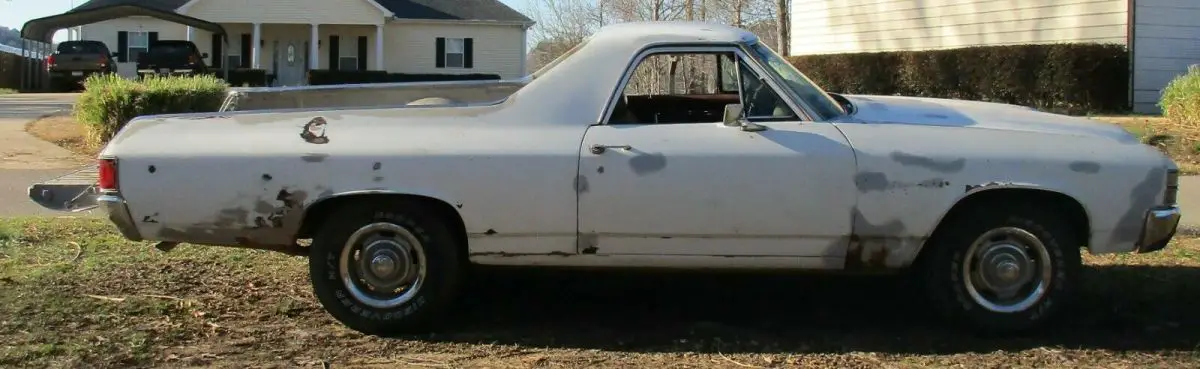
x,y
49,61
108,174
103,60
1172,190
191,59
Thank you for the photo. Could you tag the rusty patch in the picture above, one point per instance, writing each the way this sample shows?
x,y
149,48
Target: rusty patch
x,y
266,177
458,205
588,241
152,169
490,232
314,157
879,246
600,169
989,184
314,131
581,184
1087,167
376,166
647,163
150,218
907,159
377,179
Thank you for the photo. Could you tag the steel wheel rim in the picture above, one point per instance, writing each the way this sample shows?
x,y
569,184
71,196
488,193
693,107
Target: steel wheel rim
x,y
1007,270
382,265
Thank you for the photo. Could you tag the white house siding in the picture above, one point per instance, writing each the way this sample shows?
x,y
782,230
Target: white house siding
x,y
106,32
411,47
1166,41
841,26
306,12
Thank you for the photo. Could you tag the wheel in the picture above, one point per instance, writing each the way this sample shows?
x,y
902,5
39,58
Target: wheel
x,y
384,267
1003,269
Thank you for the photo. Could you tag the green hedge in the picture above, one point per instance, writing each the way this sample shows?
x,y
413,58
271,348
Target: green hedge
x,y
1070,78
110,101
1180,101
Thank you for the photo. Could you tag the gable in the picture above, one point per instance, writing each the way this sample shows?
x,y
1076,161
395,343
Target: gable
x,y
292,11
488,10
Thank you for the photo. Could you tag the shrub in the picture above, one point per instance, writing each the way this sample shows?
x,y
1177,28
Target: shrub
x,y
1073,78
1180,102
109,101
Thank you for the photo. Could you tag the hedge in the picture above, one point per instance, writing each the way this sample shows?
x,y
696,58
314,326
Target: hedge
x,y
1180,101
109,101
1070,78
334,77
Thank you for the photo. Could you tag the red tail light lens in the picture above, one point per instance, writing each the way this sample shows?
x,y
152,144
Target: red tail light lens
x,y
191,59
49,61
108,174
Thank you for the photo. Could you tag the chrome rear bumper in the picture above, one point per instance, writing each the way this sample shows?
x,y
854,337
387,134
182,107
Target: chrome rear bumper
x,y
1159,228
118,213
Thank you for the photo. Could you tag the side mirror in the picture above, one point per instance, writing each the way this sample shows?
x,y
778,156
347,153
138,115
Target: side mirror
x,y
735,117
113,55
203,55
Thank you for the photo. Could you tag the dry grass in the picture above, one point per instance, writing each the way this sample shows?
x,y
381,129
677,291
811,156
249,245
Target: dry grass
x,y
76,294
64,131
6,91
1180,142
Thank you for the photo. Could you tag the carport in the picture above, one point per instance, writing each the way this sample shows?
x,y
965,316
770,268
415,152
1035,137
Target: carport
x,y
38,34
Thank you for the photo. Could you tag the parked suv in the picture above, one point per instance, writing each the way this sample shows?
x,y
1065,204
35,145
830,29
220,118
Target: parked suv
x,y
171,57
74,61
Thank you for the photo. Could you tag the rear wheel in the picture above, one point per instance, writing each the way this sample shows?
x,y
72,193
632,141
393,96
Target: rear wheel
x,y
1003,269
383,267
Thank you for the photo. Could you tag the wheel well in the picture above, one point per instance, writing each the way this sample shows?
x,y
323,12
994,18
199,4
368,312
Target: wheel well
x,y
316,214
1071,211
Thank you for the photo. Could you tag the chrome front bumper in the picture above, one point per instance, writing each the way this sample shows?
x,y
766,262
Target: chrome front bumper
x,y
118,213
1158,228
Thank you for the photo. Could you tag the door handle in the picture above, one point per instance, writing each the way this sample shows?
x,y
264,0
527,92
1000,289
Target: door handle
x,y
599,149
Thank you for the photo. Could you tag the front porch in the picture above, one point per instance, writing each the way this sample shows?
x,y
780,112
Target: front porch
x,y
286,51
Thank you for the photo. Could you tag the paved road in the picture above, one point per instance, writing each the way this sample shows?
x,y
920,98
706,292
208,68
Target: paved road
x,y
24,159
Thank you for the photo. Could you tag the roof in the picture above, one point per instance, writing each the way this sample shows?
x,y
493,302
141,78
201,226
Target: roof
x,y
664,31
43,28
489,10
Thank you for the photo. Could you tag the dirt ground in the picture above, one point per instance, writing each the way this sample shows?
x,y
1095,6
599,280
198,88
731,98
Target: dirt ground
x,y
64,131
76,295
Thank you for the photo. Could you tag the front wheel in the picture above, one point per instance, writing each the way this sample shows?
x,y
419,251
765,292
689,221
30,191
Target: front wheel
x,y
1005,269
383,268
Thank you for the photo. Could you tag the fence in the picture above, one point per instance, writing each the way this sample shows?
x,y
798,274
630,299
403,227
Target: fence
x,y
25,69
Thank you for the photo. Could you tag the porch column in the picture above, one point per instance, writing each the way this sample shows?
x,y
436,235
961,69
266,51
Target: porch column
x,y
379,47
256,47
313,55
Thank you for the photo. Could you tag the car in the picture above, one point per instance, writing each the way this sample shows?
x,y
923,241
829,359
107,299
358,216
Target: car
x,y
73,61
684,145
172,57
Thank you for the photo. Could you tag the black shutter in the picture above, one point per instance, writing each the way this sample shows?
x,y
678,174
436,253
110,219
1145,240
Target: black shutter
x,y
362,52
217,59
468,52
153,39
246,44
334,49
441,53
122,46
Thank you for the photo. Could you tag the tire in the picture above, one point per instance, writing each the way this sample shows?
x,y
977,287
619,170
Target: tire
x,y
417,312
947,282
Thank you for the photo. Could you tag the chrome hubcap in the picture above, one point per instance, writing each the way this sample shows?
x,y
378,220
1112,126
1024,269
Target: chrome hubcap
x,y
382,265
1007,270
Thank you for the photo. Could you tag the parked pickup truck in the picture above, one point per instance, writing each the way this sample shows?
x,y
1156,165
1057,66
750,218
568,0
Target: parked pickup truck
x,y
589,163
73,61
168,57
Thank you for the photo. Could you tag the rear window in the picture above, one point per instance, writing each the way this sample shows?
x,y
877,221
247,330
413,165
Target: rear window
x,y
171,49
81,48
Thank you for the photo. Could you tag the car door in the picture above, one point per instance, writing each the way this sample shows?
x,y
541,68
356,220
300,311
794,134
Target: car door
x,y
661,178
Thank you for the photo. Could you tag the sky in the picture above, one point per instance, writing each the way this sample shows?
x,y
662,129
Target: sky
x,y
14,13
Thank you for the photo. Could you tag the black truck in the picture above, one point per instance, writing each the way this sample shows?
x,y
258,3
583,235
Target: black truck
x,y
172,57
74,61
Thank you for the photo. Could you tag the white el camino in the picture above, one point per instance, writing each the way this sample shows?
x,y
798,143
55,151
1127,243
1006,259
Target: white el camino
x,y
752,166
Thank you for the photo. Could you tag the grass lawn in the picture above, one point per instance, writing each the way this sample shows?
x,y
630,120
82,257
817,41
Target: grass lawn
x,y
5,91
1178,142
76,294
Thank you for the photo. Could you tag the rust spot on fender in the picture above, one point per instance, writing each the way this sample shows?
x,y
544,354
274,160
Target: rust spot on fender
x,y
314,157
907,159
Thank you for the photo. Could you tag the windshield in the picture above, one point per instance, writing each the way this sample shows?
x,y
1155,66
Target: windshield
x,y
822,103
171,48
81,48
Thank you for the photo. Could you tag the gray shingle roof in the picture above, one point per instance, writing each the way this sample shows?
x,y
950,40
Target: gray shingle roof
x,y
492,10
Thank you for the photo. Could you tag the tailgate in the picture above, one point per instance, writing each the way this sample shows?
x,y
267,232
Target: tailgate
x,y
75,191
72,62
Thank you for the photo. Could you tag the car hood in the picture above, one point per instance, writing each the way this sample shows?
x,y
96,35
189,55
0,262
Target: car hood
x,y
977,114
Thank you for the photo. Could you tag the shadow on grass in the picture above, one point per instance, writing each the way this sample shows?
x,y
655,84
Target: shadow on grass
x,y
1122,308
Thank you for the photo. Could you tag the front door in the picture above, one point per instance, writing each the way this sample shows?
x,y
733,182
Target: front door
x,y
290,63
664,176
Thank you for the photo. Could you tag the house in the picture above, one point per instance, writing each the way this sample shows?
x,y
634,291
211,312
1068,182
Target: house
x,y
1162,35
289,38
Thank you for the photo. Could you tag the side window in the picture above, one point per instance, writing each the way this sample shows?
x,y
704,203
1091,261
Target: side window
x,y
693,87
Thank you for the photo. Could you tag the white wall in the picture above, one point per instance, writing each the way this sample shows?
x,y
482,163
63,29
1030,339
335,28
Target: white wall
x,y
411,48
836,26
1166,41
